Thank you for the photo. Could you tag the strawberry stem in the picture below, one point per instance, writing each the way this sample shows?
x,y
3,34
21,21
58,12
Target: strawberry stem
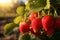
x,y
43,13
55,12
48,12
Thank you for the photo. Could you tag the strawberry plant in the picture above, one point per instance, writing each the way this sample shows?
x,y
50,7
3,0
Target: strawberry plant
x,y
37,20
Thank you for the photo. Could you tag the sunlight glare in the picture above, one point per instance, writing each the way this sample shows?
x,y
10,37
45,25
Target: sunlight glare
x,y
5,1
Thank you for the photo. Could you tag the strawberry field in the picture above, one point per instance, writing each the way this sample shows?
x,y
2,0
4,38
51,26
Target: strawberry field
x,y
36,20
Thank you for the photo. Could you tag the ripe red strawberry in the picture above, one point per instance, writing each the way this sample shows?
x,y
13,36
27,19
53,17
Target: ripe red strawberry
x,y
57,25
50,32
36,24
33,15
24,27
31,30
47,22
38,34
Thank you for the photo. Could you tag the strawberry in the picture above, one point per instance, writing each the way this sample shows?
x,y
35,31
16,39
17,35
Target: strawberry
x,y
36,24
38,34
50,32
31,30
47,22
33,15
24,27
57,24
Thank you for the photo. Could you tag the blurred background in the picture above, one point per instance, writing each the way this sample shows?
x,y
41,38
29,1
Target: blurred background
x,y
8,13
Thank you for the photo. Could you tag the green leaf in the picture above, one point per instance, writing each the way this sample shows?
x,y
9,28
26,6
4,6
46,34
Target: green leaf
x,y
25,37
44,36
33,37
27,6
36,38
48,4
56,36
18,19
56,5
20,10
8,28
36,5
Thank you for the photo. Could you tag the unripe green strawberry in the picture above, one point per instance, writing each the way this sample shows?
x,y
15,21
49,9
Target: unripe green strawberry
x,y
36,24
57,24
33,15
48,22
24,27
